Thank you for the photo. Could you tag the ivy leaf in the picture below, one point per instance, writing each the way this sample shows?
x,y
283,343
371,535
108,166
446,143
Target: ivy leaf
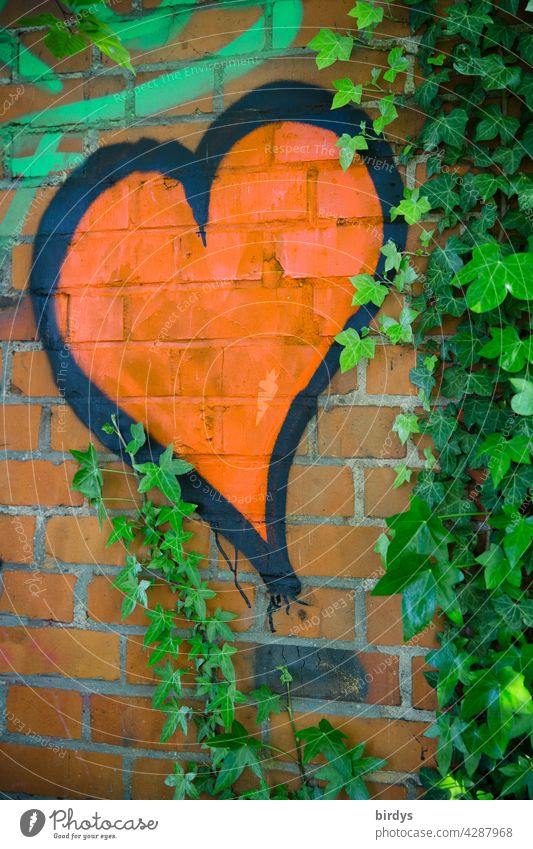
x,y
520,773
487,277
488,184
347,92
61,42
505,344
267,703
399,331
449,129
138,438
183,783
398,63
322,740
355,348
88,479
123,530
349,145
404,425
366,14
163,476
500,452
105,39
522,402
393,257
419,603
495,123
412,207
178,717
497,568
403,475
440,192
368,290
387,115
331,46
170,684
467,21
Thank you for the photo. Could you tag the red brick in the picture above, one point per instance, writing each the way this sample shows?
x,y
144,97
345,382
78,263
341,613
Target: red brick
x,y
17,322
38,482
330,614
58,651
382,792
381,499
33,42
359,432
19,427
320,491
21,264
105,601
80,539
121,721
384,624
32,374
67,431
16,538
60,773
388,372
54,713
148,778
333,550
401,742
424,696
39,595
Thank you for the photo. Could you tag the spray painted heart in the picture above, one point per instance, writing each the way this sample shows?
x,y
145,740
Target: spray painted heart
x,y
201,293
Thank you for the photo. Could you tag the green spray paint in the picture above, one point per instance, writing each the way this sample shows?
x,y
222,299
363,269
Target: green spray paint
x,y
166,91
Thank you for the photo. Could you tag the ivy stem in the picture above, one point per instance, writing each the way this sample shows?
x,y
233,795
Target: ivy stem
x,y
459,515
297,743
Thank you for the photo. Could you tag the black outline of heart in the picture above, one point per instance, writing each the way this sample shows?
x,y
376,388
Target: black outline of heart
x,y
273,103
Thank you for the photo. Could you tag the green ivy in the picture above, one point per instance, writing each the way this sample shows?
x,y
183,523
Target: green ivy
x,y
463,548
191,651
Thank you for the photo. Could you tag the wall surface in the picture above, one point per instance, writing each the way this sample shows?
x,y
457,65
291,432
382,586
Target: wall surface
x,y
188,236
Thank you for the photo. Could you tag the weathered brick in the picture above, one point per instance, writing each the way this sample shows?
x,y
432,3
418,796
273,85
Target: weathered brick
x,y
40,710
39,595
388,372
67,431
58,651
17,322
384,624
16,538
320,491
60,773
329,613
38,482
21,264
400,742
424,696
359,432
19,427
131,721
32,374
333,550
381,499
80,539
148,778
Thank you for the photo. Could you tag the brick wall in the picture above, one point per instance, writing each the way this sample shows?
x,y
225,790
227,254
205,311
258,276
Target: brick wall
x,y
75,716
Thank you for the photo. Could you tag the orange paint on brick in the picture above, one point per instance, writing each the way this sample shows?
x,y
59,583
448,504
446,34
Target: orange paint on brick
x,y
279,280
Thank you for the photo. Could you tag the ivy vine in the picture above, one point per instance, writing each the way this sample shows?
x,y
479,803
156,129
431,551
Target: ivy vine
x,y
464,546
192,652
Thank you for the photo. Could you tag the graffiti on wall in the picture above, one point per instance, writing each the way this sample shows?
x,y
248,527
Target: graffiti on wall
x,y
201,292
157,27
